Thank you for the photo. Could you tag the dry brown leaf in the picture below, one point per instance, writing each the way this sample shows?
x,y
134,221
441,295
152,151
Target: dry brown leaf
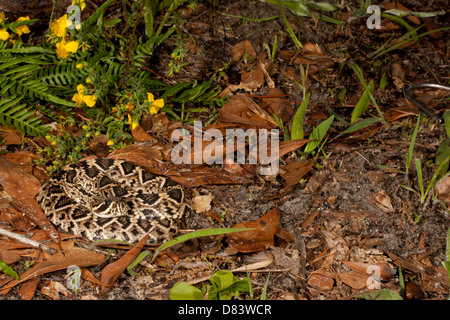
x,y
276,104
202,203
22,187
258,239
354,280
204,175
148,157
252,80
59,261
8,256
139,135
10,135
382,269
243,49
112,271
293,172
321,282
443,190
53,290
27,289
240,109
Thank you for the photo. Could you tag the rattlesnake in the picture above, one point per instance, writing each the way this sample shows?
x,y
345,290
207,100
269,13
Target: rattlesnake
x,y
113,199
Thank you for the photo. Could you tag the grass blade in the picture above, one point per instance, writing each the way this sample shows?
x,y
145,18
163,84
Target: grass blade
x,y
411,145
297,123
362,104
195,234
318,134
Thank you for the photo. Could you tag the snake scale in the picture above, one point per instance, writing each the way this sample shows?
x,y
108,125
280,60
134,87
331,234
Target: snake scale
x,y
113,199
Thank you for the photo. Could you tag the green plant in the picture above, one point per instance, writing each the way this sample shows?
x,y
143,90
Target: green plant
x,y
8,270
272,53
224,285
442,163
92,80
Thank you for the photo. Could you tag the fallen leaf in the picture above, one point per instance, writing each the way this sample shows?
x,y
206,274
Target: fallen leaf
x,y
380,269
22,187
53,289
258,239
243,49
112,271
28,288
202,203
320,282
354,280
139,135
141,155
59,261
276,104
443,190
204,175
293,172
8,256
240,109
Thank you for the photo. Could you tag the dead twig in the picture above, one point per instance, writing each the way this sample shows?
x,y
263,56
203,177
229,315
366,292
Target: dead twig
x,y
27,241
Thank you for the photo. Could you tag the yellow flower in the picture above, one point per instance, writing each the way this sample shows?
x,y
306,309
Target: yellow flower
x,y
2,17
90,100
80,3
153,110
133,124
78,98
72,46
63,48
110,143
79,66
61,51
80,89
88,80
150,97
59,27
158,103
24,28
4,34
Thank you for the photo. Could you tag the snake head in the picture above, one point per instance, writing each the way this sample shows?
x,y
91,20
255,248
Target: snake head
x,y
110,208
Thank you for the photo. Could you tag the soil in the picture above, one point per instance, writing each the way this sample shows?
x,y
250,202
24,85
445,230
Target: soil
x,y
351,206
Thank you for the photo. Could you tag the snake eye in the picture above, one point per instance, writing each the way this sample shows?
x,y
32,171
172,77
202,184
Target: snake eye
x,y
84,183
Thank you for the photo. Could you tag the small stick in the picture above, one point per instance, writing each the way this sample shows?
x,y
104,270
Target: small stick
x,y
25,240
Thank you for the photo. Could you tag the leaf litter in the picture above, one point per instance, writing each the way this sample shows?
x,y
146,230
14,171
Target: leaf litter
x,y
351,216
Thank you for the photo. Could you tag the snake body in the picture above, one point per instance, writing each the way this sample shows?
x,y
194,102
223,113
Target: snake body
x,y
113,199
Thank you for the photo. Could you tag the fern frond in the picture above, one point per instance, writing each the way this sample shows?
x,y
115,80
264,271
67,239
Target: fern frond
x,y
20,117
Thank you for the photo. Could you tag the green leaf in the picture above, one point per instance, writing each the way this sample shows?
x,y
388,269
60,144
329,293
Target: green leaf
x,y
442,154
225,285
318,134
360,125
297,122
195,234
381,294
446,117
360,76
411,145
362,104
8,270
185,291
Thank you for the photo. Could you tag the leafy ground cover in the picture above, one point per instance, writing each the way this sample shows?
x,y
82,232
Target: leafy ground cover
x,y
358,208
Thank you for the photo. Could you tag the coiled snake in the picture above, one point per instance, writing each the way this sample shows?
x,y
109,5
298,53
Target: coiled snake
x,y
113,199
